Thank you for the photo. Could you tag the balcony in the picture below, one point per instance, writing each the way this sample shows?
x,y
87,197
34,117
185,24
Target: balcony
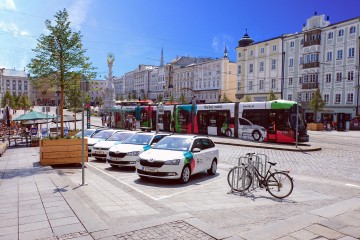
x,y
311,65
310,85
312,42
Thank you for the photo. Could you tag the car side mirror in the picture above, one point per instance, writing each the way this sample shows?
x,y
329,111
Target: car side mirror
x,y
196,150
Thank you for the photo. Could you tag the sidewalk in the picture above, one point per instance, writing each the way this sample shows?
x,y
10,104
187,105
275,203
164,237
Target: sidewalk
x,y
37,203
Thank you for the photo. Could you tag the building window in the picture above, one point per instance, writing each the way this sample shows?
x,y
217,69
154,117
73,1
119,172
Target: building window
x,y
251,53
313,57
337,98
262,50
239,55
261,85
261,66
350,98
338,76
300,80
341,32
339,55
292,44
251,68
326,98
290,81
350,76
301,60
351,52
239,69
273,83
250,85
238,86
274,48
329,56
290,97
330,35
19,85
352,30
273,64
291,62
302,41
328,77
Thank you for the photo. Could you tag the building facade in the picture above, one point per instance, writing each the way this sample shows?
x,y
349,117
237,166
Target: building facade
x,y
16,82
259,68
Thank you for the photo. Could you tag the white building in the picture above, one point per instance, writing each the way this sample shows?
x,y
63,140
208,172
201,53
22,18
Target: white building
x,y
16,82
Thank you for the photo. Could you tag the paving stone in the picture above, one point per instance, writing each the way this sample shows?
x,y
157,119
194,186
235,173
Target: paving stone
x,y
31,212
347,238
33,218
9,222
303,235
36,234
352,231
333,223
287,238
10,215
8,230
9,237
63,221
34,226
62,214
324,231
66,229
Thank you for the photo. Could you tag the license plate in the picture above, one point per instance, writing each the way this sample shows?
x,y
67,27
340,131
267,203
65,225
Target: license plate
x,y
115,159
99,152
147,169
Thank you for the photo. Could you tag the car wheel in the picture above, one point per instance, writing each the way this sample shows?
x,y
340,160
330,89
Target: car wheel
x,y
228,133
98,159
185,175
256,135
143,177
213,168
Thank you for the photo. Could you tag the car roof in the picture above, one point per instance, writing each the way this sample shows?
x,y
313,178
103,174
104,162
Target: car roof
x,y
188,136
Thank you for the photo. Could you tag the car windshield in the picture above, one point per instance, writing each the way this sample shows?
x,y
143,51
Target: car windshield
x,y
139,139
103,134
120,136
87,133
174,143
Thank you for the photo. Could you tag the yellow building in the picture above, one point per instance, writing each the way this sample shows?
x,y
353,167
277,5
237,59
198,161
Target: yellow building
x,y
259,69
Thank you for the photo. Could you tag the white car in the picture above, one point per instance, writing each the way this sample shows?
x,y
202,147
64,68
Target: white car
x,y
88,133
178,157
100,150
98,137
126,153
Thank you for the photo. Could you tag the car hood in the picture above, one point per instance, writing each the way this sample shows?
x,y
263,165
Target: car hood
x,y
106,144
125,148
92,141
162,155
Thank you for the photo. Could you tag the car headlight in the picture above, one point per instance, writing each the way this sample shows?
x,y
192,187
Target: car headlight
x,y
133,153
172,162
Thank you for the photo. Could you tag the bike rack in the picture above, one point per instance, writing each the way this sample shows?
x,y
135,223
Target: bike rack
x,y
257,161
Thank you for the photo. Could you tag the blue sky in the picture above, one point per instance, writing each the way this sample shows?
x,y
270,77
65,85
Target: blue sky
x,y
136,30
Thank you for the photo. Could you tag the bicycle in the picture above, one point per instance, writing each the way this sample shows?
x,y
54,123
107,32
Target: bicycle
x,y
279,184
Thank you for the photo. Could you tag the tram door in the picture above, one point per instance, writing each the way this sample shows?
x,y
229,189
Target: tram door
x,y
166,120
272,127
203,122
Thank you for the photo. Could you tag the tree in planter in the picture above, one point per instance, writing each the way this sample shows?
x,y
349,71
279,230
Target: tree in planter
x,y
58,56
73,95
317,103
272,96
225,99
248,98
144,96
171,100
160,98
182,99
17,102
133,96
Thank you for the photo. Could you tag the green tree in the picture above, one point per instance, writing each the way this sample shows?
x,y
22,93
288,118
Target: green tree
x,y
73,95
225,99
100,101
7,96
183,99
317,103
129,97
272,96
160,98
25,103
144,96
248,98
121,98
58,55
17,102
133,96
171,100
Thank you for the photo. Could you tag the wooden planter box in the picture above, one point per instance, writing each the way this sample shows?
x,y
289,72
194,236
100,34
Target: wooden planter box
x,y
315,126
62,151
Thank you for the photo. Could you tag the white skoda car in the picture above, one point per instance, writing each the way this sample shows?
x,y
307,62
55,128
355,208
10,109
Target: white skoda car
x,y
98,137
101,149
126,153
178,157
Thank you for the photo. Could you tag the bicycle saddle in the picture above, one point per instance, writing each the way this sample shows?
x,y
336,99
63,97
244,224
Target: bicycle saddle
x,y
272,164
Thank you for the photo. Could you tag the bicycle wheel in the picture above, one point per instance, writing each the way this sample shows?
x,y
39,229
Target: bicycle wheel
x,y
279,184
235,176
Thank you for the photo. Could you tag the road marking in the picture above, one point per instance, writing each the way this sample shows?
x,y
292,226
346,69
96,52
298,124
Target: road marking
x,y
107,174
154,198
352,185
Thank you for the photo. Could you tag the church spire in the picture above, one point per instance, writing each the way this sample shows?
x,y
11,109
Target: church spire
x,y
162,58
225,52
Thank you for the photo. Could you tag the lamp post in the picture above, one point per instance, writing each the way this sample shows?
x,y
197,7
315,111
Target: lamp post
x,y
85,87
46,110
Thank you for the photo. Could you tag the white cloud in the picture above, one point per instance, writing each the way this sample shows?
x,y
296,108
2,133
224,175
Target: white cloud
x,y
78,12
8,4
219,42
13,29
